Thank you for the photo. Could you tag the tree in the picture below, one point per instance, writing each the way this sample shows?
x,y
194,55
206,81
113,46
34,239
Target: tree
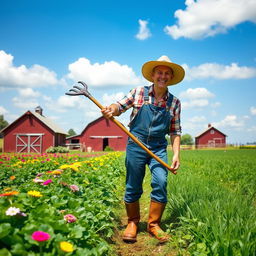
x,y
71,132
186,139
3,124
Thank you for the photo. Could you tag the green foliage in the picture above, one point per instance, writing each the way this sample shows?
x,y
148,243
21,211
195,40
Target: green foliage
x,y
248,147
3,124
71,132
108,149
186,139
212,200
58,149
92,203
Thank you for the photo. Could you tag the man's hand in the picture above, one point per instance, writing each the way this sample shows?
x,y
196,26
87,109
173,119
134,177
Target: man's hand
x,y
175,163
110,111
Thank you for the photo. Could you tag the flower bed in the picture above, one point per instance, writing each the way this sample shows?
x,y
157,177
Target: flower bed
x,y
58,204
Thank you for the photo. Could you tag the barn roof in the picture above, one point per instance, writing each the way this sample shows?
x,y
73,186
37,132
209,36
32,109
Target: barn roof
x,y
47,121
208,129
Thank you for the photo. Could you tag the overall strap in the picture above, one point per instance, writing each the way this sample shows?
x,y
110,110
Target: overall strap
x,y
146,97
169,101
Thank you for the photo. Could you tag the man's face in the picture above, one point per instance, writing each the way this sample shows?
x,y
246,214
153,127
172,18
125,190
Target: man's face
x,y
162,75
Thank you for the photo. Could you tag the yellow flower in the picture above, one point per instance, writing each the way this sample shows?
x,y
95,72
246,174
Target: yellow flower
x,y
66,247
34,193
12,177
64,166
74,168
56,172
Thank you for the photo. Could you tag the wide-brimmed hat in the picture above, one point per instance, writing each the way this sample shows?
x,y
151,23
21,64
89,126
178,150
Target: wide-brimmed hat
x,y
178,71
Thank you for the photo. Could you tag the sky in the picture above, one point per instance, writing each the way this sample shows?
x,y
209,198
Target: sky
x,y
47,46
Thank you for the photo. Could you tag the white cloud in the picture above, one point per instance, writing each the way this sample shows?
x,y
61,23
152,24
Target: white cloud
x,y
28,104
218,71
110,73
195,103
196,93
197,119
112,98
252,129
195,98
3,111
231,121
204,18
253,111
144,32
63,103
28,93
216,104
21,76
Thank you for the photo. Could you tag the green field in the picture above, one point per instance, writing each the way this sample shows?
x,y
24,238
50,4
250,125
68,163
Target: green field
x,y
211,209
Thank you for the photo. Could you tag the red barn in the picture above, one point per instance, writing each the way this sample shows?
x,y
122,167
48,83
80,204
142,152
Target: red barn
x,y
211,137
99,134
32,132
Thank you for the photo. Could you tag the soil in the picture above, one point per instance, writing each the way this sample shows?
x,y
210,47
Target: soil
x,y
145,245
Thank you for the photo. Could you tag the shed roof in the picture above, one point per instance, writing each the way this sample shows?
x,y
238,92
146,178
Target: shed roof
x,y
47,121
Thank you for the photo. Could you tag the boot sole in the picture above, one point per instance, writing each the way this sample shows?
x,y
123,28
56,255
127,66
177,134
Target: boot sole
x,y
129,239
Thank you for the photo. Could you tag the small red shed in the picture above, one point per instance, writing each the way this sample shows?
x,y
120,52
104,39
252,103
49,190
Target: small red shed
x,y
211,137
32,132
99,134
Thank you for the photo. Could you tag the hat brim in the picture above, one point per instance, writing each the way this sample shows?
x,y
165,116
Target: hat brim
x,y
178,71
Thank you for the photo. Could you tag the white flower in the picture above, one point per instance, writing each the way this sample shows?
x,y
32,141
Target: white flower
x,y
36,180
12,211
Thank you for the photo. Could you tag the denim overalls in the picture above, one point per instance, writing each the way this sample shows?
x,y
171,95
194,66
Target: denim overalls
x,y
150,125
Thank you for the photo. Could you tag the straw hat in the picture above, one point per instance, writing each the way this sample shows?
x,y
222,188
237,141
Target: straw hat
x,y
178,71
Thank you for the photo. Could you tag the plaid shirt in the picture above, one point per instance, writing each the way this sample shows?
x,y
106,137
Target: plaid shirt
x,y
135,99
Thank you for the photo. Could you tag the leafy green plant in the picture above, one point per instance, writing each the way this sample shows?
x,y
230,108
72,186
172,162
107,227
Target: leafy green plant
x,y
40,193
58,149
108,149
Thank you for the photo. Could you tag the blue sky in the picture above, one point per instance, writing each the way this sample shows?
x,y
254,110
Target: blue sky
x,y
47,46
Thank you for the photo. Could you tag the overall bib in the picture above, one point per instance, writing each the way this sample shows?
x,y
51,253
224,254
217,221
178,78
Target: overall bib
x,y
150,125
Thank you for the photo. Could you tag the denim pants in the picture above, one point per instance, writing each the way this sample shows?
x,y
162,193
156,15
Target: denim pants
x,y
150,126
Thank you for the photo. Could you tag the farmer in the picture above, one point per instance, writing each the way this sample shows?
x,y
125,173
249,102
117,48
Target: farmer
x,y
156,112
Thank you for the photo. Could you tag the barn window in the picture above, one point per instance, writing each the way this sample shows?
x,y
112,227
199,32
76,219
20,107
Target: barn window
x,y
212,131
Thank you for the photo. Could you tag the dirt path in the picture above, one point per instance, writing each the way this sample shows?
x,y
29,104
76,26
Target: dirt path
x,y
145,245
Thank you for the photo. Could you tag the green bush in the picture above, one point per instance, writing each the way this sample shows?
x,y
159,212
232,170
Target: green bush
x,y
108,148
58,149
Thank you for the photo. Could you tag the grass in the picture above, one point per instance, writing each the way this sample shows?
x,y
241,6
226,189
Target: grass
x,y
212,203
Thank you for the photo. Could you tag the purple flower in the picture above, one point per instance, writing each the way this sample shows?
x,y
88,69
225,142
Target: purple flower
x,y
70,218
74,188
47,182
40,236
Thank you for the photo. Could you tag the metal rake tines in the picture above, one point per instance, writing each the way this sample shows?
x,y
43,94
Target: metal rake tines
x,y
77,90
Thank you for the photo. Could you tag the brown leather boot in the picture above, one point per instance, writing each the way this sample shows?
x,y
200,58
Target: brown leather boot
x,y
155,214
133,213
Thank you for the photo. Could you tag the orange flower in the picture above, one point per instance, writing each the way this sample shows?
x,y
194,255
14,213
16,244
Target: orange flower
x,y
12,177
11,193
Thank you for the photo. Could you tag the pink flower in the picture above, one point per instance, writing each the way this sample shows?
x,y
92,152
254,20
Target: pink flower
x,y
40,236
70,218
47,182
74,188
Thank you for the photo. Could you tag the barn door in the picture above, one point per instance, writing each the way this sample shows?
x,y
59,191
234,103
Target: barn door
x,y
29,143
